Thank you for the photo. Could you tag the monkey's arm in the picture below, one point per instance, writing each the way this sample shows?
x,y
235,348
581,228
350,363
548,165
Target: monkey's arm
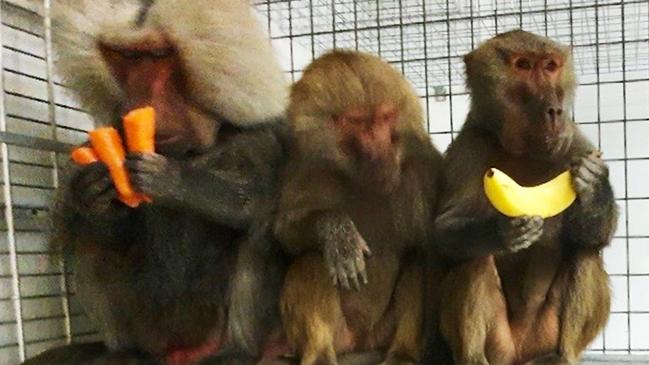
x,y
306,195
309,218
592,219
228,185
467,225
86,210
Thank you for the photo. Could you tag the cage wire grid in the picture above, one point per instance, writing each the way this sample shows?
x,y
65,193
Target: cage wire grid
x,y
40,120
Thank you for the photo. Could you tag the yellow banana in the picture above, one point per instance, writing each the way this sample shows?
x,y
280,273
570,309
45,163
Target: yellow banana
x,y
513,200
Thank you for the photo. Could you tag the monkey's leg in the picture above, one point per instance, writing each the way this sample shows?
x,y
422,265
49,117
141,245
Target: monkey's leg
x,y
473,314
254,294
311,311
69,355
586,303
550,360
582,289
409,307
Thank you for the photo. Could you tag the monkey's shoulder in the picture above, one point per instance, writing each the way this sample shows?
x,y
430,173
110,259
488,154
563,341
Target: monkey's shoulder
x,y
260,147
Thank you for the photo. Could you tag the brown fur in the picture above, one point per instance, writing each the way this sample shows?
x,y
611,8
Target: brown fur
x,y
545,303
321,320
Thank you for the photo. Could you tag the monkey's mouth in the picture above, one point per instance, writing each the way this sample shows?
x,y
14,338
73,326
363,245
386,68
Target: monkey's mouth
x,y
176,147
556,144
167,140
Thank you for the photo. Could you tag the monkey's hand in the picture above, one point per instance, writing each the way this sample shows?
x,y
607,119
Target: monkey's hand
x,y
222,196
520,233
93,196
344,250
588,173
154,174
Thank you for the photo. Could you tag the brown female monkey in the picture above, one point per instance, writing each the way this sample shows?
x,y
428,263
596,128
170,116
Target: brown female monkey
x,y
196,271
361,179
523,290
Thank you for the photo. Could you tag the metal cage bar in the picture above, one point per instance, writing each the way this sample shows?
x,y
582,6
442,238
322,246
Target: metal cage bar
x,y
9,218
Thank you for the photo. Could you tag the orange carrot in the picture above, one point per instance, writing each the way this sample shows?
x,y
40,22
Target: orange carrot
x,y
108,146
84,155
139,127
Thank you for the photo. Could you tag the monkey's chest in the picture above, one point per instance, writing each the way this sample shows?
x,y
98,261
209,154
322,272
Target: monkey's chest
x,y
379,221
527,277
181,258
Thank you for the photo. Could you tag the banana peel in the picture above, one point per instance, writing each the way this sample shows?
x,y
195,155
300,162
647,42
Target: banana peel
x,y
513,200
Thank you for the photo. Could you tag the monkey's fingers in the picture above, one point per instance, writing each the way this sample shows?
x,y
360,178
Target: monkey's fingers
x,y
583,187
142,182
90,173
106,197
364,247
526,239
342,277
596,153
360,268
519,222
144,162
333,274
93,189
352,274
585,171
535,221
595,165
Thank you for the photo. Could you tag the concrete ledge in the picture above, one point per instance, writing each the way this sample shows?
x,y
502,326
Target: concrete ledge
x,y
615,360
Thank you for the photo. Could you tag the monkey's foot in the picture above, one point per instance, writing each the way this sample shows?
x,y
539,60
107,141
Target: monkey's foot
x,y
123,358
238,360
396,361
183,356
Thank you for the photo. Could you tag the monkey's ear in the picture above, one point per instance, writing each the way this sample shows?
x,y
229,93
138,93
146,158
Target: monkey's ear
x,y
468,59
468,62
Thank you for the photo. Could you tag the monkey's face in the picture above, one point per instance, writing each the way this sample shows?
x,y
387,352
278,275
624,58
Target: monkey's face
x,y
197,62
535,117
148,71
522,86
369,138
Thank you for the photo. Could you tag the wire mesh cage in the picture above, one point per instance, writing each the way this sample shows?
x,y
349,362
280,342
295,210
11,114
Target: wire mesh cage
x,y
424,39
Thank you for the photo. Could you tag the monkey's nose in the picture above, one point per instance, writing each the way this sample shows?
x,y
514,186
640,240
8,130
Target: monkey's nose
x,y
554,118
554,113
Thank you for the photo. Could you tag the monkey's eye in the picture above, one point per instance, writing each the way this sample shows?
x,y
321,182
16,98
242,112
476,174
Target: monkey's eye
x,y
551,66
357,120
129,54
523,64
160,52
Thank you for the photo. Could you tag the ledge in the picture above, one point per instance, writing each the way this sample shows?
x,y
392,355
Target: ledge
x,y
615,360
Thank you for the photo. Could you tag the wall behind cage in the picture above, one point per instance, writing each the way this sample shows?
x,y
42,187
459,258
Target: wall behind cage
x,y
426,41
37,305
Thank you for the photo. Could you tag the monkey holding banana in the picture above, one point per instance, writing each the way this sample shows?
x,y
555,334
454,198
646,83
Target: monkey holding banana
x,y
522,290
